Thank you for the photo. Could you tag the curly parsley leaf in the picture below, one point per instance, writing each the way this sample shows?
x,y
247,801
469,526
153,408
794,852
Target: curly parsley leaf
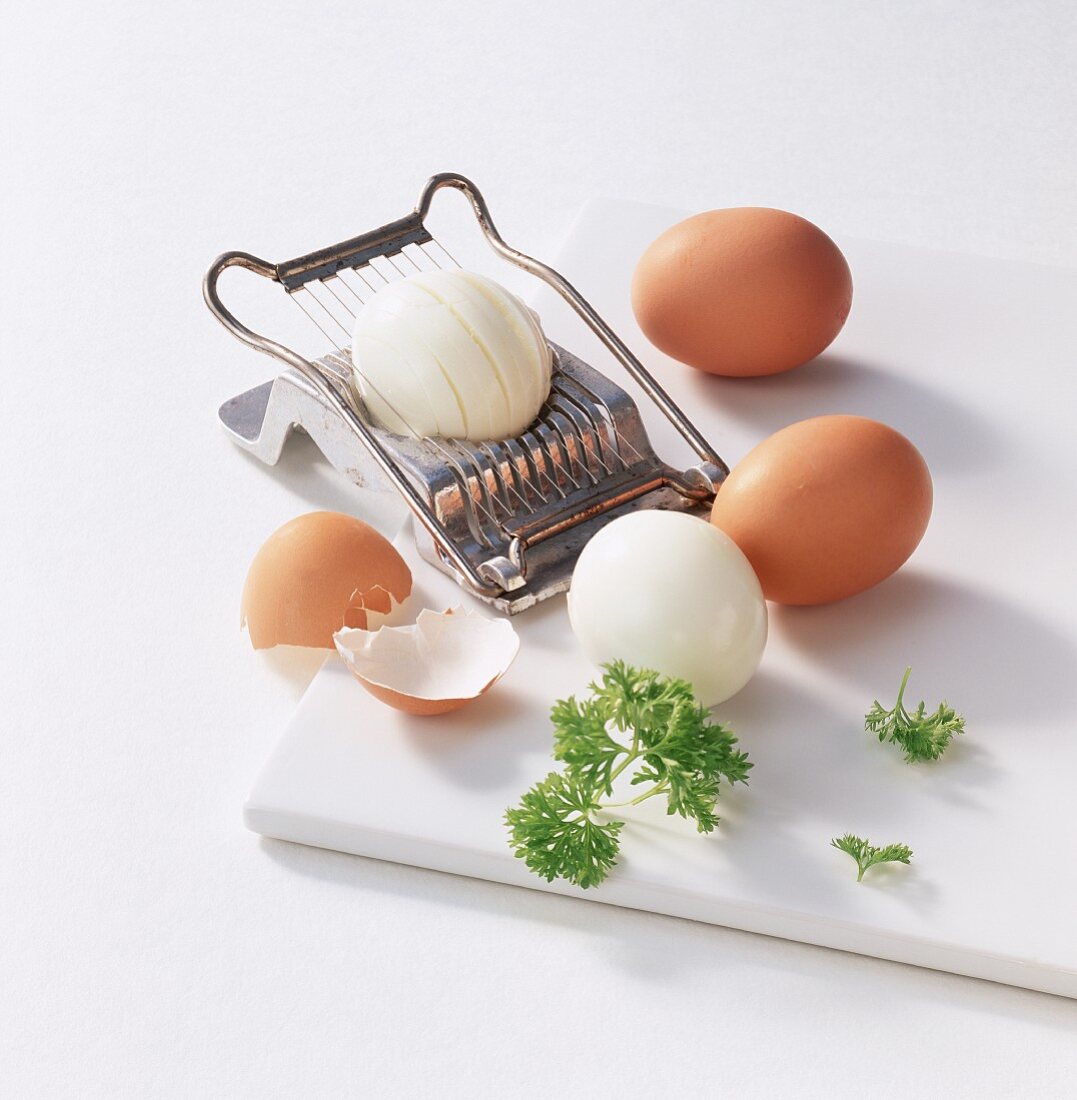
x,y
582,741
633,718
687,759
866,855
554,832
922,736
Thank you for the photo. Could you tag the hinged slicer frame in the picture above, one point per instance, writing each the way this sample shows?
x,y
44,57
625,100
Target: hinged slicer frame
x,y
506,518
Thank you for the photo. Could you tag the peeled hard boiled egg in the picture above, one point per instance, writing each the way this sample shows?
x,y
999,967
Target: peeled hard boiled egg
x,y
742,292
826,507
669,592
317,573
451,354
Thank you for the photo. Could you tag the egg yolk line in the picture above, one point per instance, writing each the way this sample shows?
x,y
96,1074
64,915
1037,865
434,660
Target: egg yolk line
x,y
413,374
512,317
420,338
478,343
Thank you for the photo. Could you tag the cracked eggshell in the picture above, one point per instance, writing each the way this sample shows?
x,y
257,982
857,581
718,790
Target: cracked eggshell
x,y
317,573
438,664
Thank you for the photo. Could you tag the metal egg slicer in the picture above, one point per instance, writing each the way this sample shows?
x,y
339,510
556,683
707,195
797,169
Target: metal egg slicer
x,y
505,518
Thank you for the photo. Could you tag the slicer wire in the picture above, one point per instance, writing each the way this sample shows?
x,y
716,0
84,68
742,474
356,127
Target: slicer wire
x,y
429,441
346,359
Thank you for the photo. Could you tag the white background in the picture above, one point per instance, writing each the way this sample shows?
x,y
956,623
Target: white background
x,y
148,945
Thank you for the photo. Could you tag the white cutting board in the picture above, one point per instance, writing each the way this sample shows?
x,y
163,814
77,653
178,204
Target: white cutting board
x,y
973,359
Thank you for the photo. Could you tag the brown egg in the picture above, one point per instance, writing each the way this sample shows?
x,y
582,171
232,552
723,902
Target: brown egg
x,y
742,292
826,507
317,573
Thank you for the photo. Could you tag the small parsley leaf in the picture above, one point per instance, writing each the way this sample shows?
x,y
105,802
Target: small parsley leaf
x,y
922,736
866,855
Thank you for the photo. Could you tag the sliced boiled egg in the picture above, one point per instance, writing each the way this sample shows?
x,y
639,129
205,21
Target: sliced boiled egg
x,y
452,354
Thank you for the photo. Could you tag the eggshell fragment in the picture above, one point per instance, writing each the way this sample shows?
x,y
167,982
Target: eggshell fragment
x,y
826,507
319,572
438,664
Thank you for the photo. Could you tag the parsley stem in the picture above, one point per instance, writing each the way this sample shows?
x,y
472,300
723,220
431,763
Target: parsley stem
x,y
658,788
633,753
901,690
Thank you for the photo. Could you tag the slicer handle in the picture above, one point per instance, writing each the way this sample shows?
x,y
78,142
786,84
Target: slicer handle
x,y
236,327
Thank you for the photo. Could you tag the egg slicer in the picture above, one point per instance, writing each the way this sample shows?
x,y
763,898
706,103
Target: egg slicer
x,y
506,518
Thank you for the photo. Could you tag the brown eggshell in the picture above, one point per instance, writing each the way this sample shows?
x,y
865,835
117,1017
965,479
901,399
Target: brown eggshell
x,y
409,704
826,508
316,573
439,663
742,292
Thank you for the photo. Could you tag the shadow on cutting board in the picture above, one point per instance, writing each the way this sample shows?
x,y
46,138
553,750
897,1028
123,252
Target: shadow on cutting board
x,y
991,658
789,734
953,437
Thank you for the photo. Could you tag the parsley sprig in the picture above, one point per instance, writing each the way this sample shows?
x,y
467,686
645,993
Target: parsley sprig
x,y
634,719
921,736
866,855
